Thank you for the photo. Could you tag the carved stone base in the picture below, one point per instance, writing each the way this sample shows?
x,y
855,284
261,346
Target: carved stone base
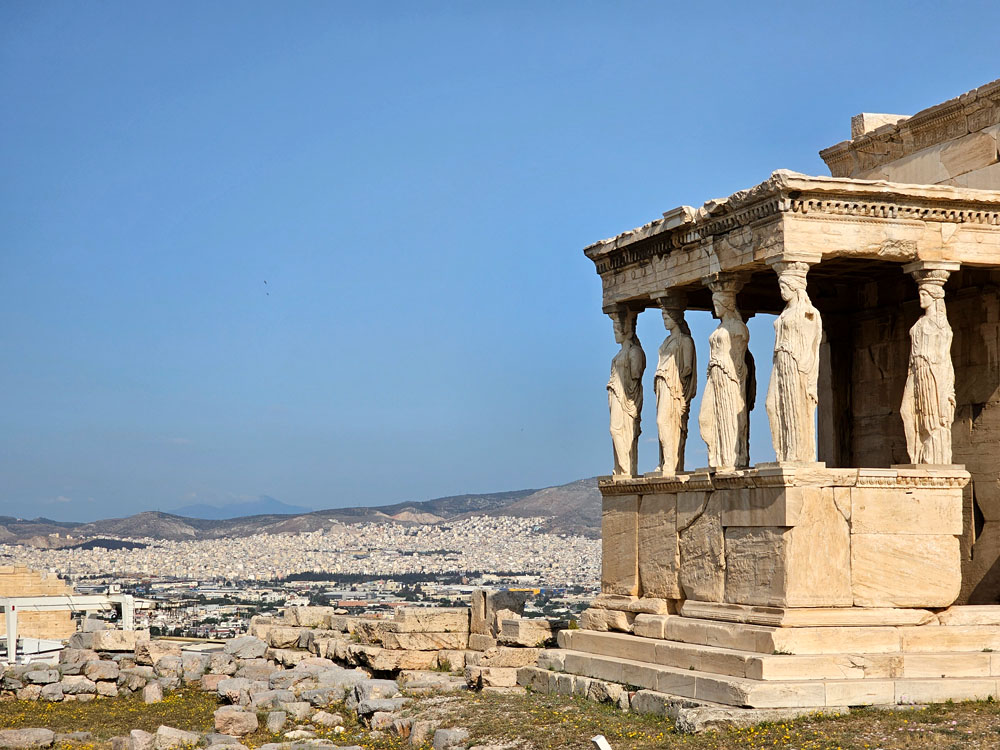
x,y
890,656
787,536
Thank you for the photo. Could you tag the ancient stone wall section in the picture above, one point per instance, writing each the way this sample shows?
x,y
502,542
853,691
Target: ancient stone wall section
x,y
880,349
952,143
819,538
17,580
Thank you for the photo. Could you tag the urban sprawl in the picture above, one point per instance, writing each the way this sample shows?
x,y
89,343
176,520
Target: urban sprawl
x,y
211,588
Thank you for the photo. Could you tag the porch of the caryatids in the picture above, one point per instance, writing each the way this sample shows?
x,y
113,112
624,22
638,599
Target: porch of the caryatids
x,y
625,394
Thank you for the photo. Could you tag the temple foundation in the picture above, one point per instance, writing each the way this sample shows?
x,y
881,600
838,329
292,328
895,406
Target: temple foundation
x,y
872,576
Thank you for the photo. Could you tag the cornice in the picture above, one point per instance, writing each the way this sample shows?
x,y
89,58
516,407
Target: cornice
x,y
918,478
791,193
968,113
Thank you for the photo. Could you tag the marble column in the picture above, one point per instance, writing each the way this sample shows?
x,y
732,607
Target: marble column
x,y
792,391
928,406
674,384
625,394
724,416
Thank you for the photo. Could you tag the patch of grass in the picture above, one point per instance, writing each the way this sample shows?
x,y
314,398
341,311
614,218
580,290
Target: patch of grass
x,y
443,665
549,722
539,722
108,717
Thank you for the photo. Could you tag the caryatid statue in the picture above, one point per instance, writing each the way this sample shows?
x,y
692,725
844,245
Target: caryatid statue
x,y
792,392
928,407
625,395
724,418
674,383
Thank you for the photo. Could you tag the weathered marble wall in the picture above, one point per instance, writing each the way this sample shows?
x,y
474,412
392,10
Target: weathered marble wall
x,y
878,353
822,538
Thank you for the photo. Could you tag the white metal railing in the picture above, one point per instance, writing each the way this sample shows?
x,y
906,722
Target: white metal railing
x,y
11,605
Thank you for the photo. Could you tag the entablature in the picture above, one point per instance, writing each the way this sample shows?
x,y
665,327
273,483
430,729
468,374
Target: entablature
x,y
791,214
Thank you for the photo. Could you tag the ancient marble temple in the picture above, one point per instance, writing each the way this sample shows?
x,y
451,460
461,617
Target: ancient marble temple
x,y
879,524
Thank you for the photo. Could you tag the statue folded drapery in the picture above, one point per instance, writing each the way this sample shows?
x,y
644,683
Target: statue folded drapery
x,y
625,396
792,391
674,383
723,418
928,406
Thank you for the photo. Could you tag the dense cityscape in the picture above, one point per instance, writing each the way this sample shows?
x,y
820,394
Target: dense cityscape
x,y
211,588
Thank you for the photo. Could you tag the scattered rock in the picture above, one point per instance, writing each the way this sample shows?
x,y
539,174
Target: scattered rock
x,y
446,738
300,734
246,647
29,693
298,710
263,699
51,692
235,721
42,676
167,738
26,738
140,740
386,705
210,682
234,690
367,689
77,684
222,664
325,719
100,670
107,689
276,721
153,693
150,652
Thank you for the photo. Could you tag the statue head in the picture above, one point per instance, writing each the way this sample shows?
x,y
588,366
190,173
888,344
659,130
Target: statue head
x,y
724,303
724,289
930,288
929,294
792,279
624,323
671,318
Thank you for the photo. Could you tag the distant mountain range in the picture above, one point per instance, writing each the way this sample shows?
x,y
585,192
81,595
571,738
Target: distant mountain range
x,y
262,506
573,508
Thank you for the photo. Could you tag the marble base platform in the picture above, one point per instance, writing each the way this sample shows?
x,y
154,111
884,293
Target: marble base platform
x,y
819,659
787,536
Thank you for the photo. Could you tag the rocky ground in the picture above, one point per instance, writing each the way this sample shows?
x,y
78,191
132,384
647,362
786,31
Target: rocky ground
x,y
485,719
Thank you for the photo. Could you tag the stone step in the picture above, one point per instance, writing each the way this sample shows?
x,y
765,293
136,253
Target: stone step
x,y
819,640
738,691
799,617
794,667
767,639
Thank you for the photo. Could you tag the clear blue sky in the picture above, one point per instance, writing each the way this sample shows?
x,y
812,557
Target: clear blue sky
x,y
415,183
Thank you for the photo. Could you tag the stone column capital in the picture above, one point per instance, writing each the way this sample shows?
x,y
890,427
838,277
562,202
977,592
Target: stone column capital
x,y
725,281
671,299
783,260
931,265
620,312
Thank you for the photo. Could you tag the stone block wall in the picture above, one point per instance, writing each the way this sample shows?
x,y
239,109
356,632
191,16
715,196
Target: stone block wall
x,y
17,580
868,538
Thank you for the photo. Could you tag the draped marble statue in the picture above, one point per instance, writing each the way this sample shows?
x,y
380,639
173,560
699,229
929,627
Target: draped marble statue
x,y
674,383
792,391
723,418
928,407
625,396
